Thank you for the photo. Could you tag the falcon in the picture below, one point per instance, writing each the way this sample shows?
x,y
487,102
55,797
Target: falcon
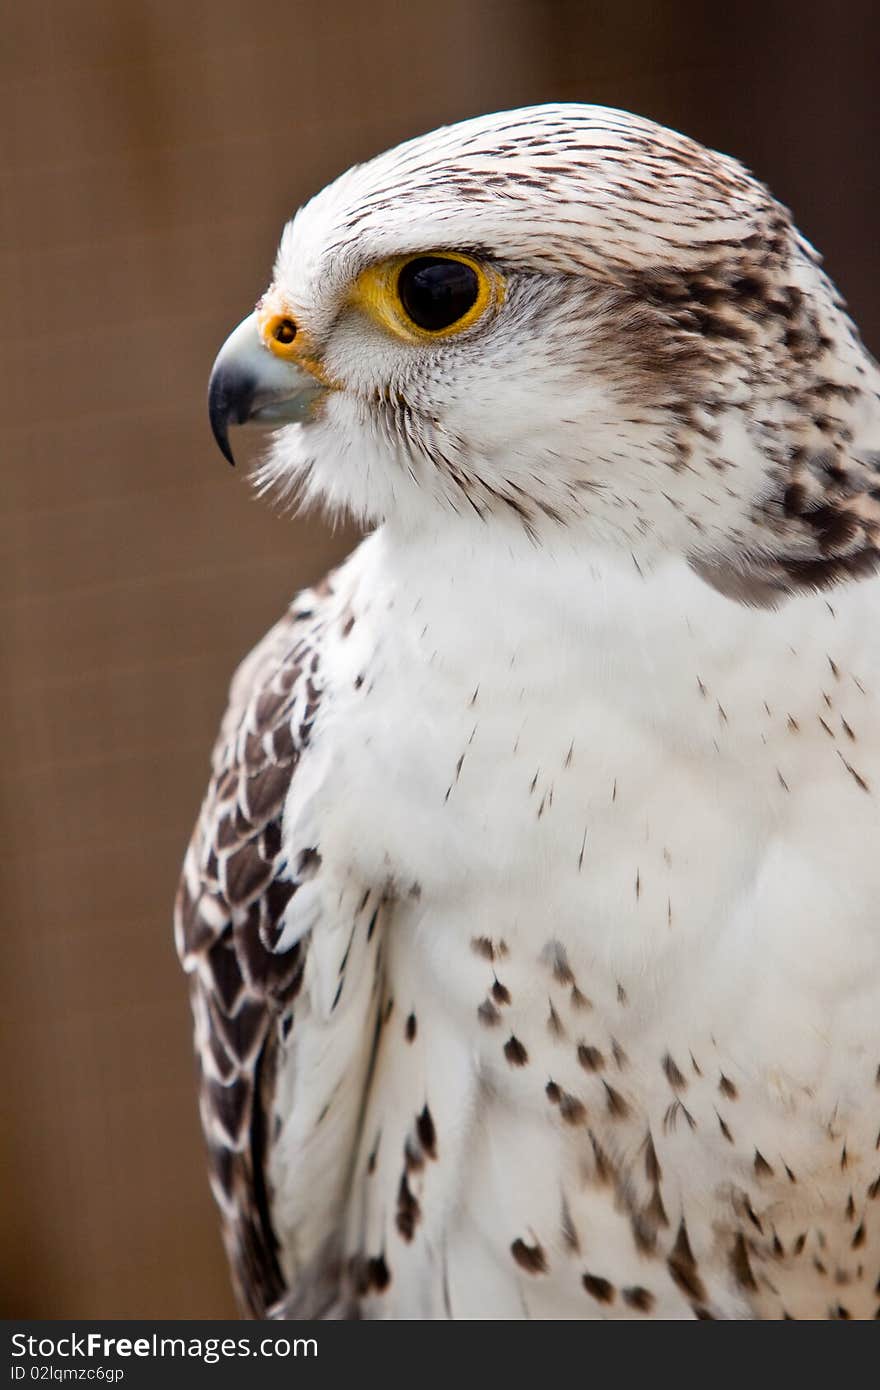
x,y
531,917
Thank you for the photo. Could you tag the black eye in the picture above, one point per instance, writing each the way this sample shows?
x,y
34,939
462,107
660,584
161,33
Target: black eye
x,y
436,293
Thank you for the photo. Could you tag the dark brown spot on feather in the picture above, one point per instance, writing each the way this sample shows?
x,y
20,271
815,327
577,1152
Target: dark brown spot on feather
x,y
555,955
378,1274
413,1158
683,1267
483,947
515,1052
308,864
674,1075
604,1169
671,1117
620,1058
408,1210
590,1058
617,1106
653,1171
554,1022
567,1228
600,1289
762,1167
741,1265
572,1110
856,776
751,1213
724,1129
531,1258
639,1298
427,1132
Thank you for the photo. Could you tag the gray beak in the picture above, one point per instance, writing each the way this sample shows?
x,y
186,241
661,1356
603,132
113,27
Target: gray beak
x,y
250,385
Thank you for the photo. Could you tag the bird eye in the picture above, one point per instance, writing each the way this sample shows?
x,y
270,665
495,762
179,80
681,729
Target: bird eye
x,y
437,292
432,295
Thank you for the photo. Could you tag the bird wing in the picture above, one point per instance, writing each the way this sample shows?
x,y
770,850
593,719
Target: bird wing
x,y
283,1051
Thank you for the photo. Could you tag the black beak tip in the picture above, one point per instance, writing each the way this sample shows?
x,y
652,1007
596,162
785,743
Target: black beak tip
x,y
221,437
229,401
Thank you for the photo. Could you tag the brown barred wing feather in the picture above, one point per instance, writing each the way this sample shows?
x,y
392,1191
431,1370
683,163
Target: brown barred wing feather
x,y
235,890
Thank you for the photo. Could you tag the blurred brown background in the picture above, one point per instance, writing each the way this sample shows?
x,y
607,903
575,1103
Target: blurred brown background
x,y
149,153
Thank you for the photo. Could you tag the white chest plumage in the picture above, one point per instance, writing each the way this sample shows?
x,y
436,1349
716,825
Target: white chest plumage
x,y
631,971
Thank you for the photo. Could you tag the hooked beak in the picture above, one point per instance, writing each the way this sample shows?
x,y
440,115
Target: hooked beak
x,y
249,385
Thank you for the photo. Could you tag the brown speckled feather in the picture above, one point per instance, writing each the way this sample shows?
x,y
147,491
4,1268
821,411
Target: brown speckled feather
x,y
234,890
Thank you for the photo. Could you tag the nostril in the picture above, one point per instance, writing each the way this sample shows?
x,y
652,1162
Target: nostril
x,y
284,331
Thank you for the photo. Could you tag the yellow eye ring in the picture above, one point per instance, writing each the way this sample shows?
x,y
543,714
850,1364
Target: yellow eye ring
x,y
443,287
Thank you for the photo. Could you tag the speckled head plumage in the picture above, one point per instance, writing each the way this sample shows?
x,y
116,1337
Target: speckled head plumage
x,y
666,368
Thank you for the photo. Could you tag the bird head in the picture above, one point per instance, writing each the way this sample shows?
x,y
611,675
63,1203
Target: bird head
x,y
568,321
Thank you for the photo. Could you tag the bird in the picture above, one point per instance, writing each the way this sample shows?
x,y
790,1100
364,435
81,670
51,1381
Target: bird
x,y
531,915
